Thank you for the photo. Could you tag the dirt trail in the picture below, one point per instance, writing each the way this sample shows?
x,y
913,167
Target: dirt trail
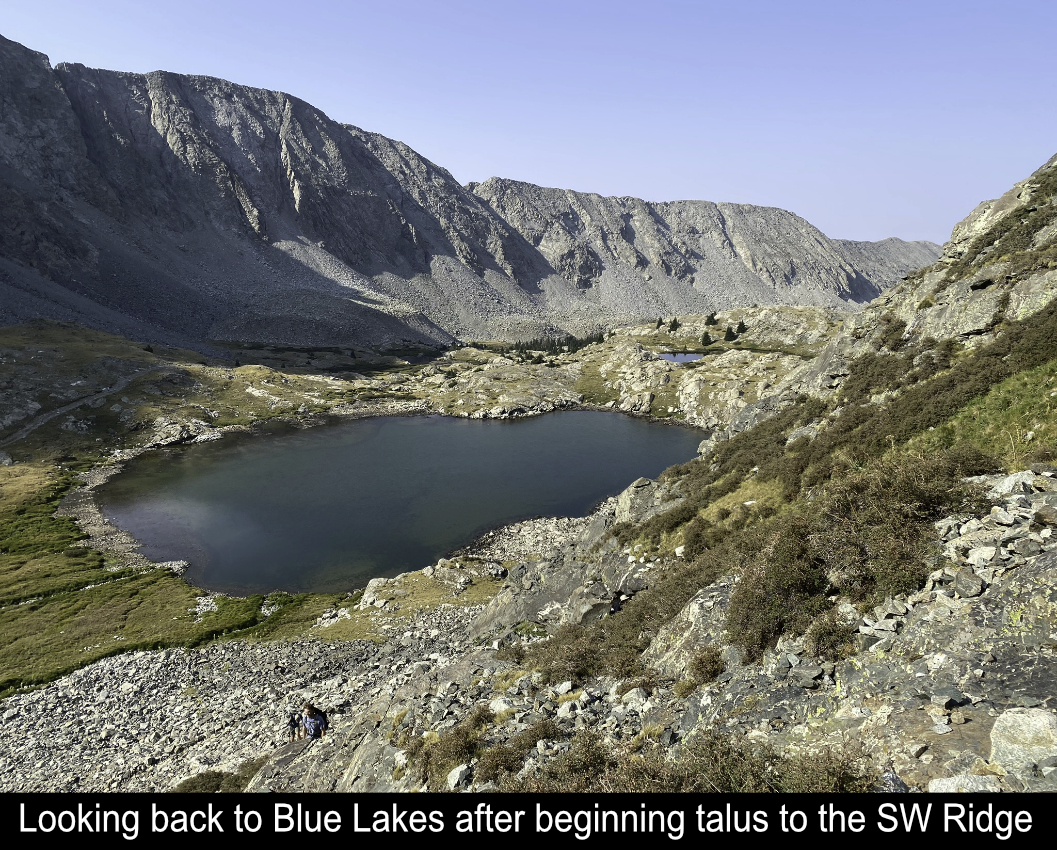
x,y
43,418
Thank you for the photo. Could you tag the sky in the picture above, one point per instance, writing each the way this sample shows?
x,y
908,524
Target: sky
x,y
869,119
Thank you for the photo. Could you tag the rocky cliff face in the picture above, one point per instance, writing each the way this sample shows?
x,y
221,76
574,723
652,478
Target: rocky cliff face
x,y
638,258
1000,265
192,209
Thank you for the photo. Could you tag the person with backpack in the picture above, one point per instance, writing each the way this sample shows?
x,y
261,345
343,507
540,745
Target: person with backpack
x,y
295,726
314,721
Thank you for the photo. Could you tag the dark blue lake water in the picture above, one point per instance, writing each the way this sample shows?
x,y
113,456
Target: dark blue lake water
x,y
330,508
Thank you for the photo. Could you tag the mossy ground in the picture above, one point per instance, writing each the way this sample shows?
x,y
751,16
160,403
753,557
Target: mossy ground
x,y
63,605
592,386
752,496
1000,422
60,604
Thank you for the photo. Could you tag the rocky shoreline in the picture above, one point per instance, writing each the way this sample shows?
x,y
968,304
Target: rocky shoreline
x,y
80,503
144,721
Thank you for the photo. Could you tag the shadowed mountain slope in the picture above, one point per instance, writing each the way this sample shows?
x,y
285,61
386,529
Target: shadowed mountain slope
x,y
191,209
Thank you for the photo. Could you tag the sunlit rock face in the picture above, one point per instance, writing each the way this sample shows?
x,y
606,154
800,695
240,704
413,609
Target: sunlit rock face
x,y
191,209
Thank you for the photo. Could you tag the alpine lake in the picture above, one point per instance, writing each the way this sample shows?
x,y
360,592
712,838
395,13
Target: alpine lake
x,y
329,508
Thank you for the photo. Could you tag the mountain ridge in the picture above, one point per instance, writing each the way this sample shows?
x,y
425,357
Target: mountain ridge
x,y
189,209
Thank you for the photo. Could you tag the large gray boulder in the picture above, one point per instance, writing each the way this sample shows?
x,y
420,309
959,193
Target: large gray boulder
x,y
700,624
1023,737
643,499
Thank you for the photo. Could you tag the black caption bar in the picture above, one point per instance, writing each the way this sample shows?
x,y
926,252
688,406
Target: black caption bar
x,y
567,819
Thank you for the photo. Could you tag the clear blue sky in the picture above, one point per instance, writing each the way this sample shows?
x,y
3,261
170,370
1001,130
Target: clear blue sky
x,y
870,119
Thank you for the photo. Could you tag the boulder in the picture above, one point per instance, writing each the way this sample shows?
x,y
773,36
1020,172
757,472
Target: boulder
x,y
1046,514
636,500
966,783
806,675
1023,737
635,698
458,777
1026,546
1018,482
967,583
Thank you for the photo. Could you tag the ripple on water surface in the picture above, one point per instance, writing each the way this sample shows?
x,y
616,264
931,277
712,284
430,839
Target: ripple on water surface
x,y
330,508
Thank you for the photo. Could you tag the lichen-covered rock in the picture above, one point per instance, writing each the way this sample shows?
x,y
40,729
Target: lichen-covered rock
x,y
700,624
1023,737
965,784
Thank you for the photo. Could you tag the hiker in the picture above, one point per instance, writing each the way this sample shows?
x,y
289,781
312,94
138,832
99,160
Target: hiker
x,y
296,727
314,721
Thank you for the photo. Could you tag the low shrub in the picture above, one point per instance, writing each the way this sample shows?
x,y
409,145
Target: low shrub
x,y
706,665
829,637
507,758
497,760
434,760
709,763
214,781
867,534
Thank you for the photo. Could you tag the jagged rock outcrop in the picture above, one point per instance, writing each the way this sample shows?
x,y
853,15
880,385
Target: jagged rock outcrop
x,y
190,209
638,258
1000,264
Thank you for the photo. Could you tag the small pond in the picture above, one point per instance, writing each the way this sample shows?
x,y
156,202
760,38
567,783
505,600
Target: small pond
x,y
329,508
680,358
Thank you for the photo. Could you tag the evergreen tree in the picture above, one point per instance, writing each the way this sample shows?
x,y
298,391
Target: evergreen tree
x,y
706,339
660,322
741,327
673,326
711,319
729,336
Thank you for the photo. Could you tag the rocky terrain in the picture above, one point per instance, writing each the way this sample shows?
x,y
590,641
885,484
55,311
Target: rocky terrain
x,y
191,210
640,259
950,691
951,688
146,721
